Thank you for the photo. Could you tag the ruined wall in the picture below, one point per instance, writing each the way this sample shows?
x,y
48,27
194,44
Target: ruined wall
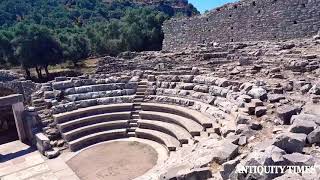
x,y
12,83
246,21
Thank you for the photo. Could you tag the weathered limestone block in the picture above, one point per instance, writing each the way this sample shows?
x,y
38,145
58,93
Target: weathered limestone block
x,y
165,85
62,85
130,85
285,112
201,88
297,159
86,103
305,117
301,126
258,93
171,91
290,142
246,87
229,167
185,172
61,78
42,143
175,78
172,85
260,111
151,78
171,100
314,136
186,86
134,79
111,100
64,108
269,156
186,78
273,98
113,79
315,89
218,91
49,95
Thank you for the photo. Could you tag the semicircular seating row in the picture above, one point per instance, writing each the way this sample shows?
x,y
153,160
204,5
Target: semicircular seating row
x,y
169,125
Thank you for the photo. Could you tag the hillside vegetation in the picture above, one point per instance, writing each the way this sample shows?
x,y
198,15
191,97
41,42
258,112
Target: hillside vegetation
x,y
39,33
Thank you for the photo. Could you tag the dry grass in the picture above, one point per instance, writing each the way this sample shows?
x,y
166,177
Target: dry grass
x,y
86,66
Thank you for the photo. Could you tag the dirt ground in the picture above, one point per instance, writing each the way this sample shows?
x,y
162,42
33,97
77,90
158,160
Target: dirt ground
x,y
114,161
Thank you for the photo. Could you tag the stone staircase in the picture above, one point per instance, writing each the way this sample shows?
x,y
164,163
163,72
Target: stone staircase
x,y
135,114
40,106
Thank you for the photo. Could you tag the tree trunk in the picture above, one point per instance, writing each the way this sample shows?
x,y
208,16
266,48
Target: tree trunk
x,y
46,70
27,72
39,72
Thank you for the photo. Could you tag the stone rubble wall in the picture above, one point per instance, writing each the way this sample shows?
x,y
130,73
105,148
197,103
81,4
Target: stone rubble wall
x,y
26,88
245,21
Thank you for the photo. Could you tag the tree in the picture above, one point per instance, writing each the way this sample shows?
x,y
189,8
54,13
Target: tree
x,y
36,47
6,48
75,47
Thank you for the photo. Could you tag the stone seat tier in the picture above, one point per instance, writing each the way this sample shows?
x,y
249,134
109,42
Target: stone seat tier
x,y
96,138
77,123
169,141
94,110
100,94
203,107
99,87
94,128
202,119
172,129
190,125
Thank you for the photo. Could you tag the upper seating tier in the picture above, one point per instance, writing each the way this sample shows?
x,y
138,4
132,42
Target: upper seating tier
x,y
77,123
94,110
192,126
170,142
181,134
202,119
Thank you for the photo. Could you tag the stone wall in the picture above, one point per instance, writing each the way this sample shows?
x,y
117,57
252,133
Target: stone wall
x,y
13,83
246,20
25,88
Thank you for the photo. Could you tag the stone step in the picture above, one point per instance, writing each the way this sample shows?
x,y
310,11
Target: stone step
x,y
142,86
172,129
135,116
134,112
190,125
133,120
169,141
96,138
40,108
140,93
202,119
131,124
138,96
86,121
94,128
138,105
138,100
94,110
131,129
131,134
142,90
144,83
39,103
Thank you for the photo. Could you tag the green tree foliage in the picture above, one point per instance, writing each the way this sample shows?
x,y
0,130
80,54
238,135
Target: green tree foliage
x,y
36,47
39,33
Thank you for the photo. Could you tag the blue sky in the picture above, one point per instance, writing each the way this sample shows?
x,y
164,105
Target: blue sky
x,y
203,5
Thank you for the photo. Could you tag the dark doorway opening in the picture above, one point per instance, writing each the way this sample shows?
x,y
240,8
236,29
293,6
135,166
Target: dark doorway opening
x,y
8,129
